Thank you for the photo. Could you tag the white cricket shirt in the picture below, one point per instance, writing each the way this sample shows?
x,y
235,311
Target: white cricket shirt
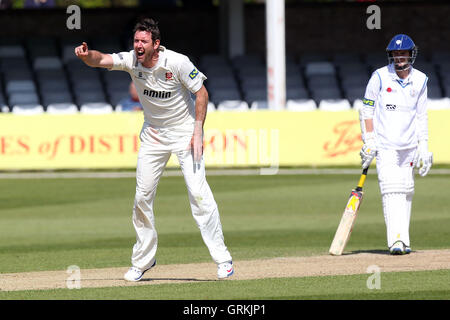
x,y
164,90
398,108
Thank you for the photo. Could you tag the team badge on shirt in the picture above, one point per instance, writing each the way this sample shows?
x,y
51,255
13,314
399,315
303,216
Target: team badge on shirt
x,y
193,74
169,76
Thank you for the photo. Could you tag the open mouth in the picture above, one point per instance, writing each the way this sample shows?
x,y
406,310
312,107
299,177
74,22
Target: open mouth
x,y
140,53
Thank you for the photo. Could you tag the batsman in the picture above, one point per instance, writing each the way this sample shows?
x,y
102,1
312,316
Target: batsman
x,y
394,125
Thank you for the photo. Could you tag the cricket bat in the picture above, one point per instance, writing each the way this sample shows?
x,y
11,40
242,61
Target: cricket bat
x,y
345,227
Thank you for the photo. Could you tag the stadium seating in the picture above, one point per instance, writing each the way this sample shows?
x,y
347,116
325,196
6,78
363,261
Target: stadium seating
x,y
96,108
233,105
447,90
222,82
28,109
3,105
309,57
12,51
211,107
18,86
259,105
255,94
220,95
53,97
84,97
62,108
438,104
355,92
301,105
319,94
242,62
334,105
319,68
376,60
320,81
298,93
107,44
23,98
434,91
344,58
45,72
294,79
438,56
48,62
212,60
356,70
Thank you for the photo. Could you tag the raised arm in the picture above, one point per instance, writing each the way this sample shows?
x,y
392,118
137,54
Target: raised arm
x,y
93,58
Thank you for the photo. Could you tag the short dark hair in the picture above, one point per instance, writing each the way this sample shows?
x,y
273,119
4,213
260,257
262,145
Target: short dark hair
x,y
149,25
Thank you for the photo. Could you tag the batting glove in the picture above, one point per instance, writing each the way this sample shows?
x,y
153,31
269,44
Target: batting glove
x,y
424,158
369,150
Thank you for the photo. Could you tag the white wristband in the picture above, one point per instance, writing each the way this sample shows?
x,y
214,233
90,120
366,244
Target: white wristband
x,y
369,136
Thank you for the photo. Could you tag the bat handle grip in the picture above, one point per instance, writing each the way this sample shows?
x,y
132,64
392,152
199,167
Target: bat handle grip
x,y
362,179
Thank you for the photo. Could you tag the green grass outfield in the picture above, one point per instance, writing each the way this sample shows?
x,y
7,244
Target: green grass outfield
x,y
50,224
424,285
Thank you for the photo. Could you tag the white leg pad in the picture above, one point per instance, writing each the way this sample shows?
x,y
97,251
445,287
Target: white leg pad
x,y
396,181
396,217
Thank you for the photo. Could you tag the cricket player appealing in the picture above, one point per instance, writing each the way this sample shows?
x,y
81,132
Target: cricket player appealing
x,y
395,131
173,123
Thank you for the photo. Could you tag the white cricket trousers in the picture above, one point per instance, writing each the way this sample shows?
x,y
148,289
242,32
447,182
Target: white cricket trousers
x,y
157,145
396,180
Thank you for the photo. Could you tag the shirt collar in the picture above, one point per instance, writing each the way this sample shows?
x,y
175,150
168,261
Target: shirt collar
x,y
395,76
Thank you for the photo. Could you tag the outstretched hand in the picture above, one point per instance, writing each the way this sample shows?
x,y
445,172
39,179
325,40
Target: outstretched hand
x,y
82,51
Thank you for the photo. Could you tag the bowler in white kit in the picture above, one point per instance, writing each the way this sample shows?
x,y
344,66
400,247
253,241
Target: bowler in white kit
x,y
173,123
395,131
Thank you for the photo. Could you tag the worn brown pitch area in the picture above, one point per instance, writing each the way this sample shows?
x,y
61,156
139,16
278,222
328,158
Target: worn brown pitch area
x,y
324,265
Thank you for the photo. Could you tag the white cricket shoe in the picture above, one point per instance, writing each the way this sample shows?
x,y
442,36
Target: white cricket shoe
x,y
398,248
407,250
225,270
134,274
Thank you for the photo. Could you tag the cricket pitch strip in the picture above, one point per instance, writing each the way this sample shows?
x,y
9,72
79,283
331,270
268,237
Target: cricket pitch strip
x,y
323,265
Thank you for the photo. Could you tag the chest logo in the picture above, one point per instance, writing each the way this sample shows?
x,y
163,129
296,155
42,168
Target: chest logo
x,y
390,90
169,76
157,94
391,107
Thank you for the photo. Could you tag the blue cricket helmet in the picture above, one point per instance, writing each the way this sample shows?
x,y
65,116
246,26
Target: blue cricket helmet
x,y
402,42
